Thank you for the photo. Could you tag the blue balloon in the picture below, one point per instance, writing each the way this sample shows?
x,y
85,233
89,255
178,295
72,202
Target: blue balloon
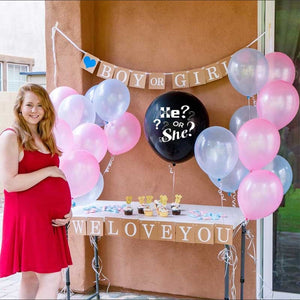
x,y
281,167
216,151
231,182
90,95
248,71
241,116
111,99
92,195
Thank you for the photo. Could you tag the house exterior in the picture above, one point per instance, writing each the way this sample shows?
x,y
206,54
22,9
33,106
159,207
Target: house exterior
x,y
166,37
22,47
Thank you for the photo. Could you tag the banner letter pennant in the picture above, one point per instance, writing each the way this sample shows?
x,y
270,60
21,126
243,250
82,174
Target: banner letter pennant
x,y
89,62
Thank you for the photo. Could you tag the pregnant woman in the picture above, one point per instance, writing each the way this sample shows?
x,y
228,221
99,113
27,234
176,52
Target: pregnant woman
x,y
37,198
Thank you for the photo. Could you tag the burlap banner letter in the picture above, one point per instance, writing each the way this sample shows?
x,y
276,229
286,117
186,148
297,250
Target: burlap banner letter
x,y
95,226
180,80
223,234
122,75
89,62
113,226
223,64
166,231
185,233
213,72
131,228
77,226
137,79
157,81
197,77
149,230
106,70
204,233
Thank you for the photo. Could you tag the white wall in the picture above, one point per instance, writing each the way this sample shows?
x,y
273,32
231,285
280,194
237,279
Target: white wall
x,y
22,30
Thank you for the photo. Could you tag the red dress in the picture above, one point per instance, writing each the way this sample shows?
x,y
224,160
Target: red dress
x,y
30,242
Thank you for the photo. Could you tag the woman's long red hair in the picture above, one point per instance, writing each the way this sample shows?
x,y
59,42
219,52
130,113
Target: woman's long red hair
x,y
45,126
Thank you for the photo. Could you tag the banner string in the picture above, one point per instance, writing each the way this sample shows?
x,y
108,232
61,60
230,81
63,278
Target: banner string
x,y
109,164
56,29
233,199
230,255
172,171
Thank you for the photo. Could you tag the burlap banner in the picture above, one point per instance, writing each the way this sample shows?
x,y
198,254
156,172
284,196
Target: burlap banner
x,y
138,79
153,230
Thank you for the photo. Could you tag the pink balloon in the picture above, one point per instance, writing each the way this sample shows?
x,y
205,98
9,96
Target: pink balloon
x,y
82,171
63,135
92,138
260,194
278,102
258,141
123,133
281,67
59,94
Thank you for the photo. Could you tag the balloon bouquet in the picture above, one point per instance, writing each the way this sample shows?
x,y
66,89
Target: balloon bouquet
x,y
246,160
84,143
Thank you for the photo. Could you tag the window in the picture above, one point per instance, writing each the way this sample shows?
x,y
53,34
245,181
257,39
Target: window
x,y
14,79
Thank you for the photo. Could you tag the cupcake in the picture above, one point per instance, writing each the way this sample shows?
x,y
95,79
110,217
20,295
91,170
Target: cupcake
x,y
148,212
163,212
147,209
176,210
128,211
176,202
141,204
140,209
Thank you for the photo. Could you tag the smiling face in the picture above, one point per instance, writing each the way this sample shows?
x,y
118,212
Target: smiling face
x,y
32,109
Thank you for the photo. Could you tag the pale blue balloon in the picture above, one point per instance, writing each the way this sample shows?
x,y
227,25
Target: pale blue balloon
x,y
90,95
241,116
92,195
111,99
231,182
216,151
248,71
281,167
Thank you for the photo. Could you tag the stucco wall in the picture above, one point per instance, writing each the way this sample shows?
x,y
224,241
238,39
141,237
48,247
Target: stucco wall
x,y
157,36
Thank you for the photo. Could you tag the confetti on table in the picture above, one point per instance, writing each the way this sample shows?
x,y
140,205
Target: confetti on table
x,y
203,215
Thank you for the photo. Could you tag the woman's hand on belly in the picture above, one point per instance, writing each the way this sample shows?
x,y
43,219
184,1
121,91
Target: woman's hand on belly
x,y
64,221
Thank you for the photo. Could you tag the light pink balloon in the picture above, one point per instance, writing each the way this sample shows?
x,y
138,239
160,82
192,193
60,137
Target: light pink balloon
x,y
92,138
59,94
258,141
260,194
82,171
281,67
63,135
123,133
278,102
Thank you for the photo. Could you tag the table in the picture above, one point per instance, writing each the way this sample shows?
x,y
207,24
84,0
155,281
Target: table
x,y
196,224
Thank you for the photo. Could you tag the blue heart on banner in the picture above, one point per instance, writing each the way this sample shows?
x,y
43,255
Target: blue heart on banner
x,y
89,63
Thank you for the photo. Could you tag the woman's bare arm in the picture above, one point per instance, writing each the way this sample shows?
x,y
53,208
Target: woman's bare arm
x,y
9,161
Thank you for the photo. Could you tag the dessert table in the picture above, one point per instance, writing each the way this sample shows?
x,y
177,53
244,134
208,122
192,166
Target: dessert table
x,y
195,224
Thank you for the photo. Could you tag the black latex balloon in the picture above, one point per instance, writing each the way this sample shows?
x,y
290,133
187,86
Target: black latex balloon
x,y
172,124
